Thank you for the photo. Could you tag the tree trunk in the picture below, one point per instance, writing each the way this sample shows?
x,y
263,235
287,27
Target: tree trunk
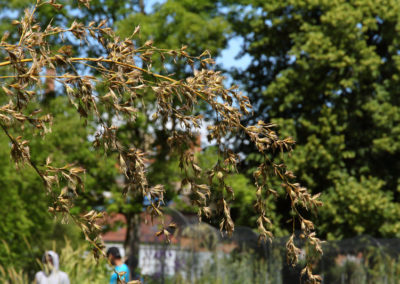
x,y
50,89
132,243
141,7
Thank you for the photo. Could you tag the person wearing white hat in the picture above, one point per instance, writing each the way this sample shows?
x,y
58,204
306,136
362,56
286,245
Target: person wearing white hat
x,y
51,273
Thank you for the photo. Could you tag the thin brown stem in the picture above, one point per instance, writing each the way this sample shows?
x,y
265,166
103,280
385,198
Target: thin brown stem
x,y
19,148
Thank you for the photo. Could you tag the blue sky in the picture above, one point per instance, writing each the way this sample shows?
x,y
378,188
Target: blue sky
x,y
228,56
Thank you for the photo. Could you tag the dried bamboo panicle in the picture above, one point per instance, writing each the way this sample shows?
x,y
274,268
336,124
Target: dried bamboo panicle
x,y
127,84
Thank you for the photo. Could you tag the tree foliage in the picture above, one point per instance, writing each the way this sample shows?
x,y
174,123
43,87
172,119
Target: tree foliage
x,y
125,84
24,203
329,72
168,26
143,131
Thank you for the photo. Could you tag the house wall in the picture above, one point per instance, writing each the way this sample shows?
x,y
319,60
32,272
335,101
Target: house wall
x,y
167,260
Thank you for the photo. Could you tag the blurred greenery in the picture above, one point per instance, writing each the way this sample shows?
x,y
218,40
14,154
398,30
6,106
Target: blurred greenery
x,y
24,202
327,72
80,266
174,24
67,142
169,26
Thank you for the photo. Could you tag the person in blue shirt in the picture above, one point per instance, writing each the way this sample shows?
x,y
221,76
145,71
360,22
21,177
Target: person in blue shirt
x,y
121,270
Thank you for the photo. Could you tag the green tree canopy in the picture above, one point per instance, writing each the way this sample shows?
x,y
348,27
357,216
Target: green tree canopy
x,y
329,71
24,204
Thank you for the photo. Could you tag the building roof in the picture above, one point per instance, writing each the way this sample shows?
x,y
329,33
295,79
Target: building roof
x,y
148,228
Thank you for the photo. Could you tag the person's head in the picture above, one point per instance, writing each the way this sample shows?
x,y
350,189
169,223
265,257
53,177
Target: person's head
x,y
50,261
113,255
